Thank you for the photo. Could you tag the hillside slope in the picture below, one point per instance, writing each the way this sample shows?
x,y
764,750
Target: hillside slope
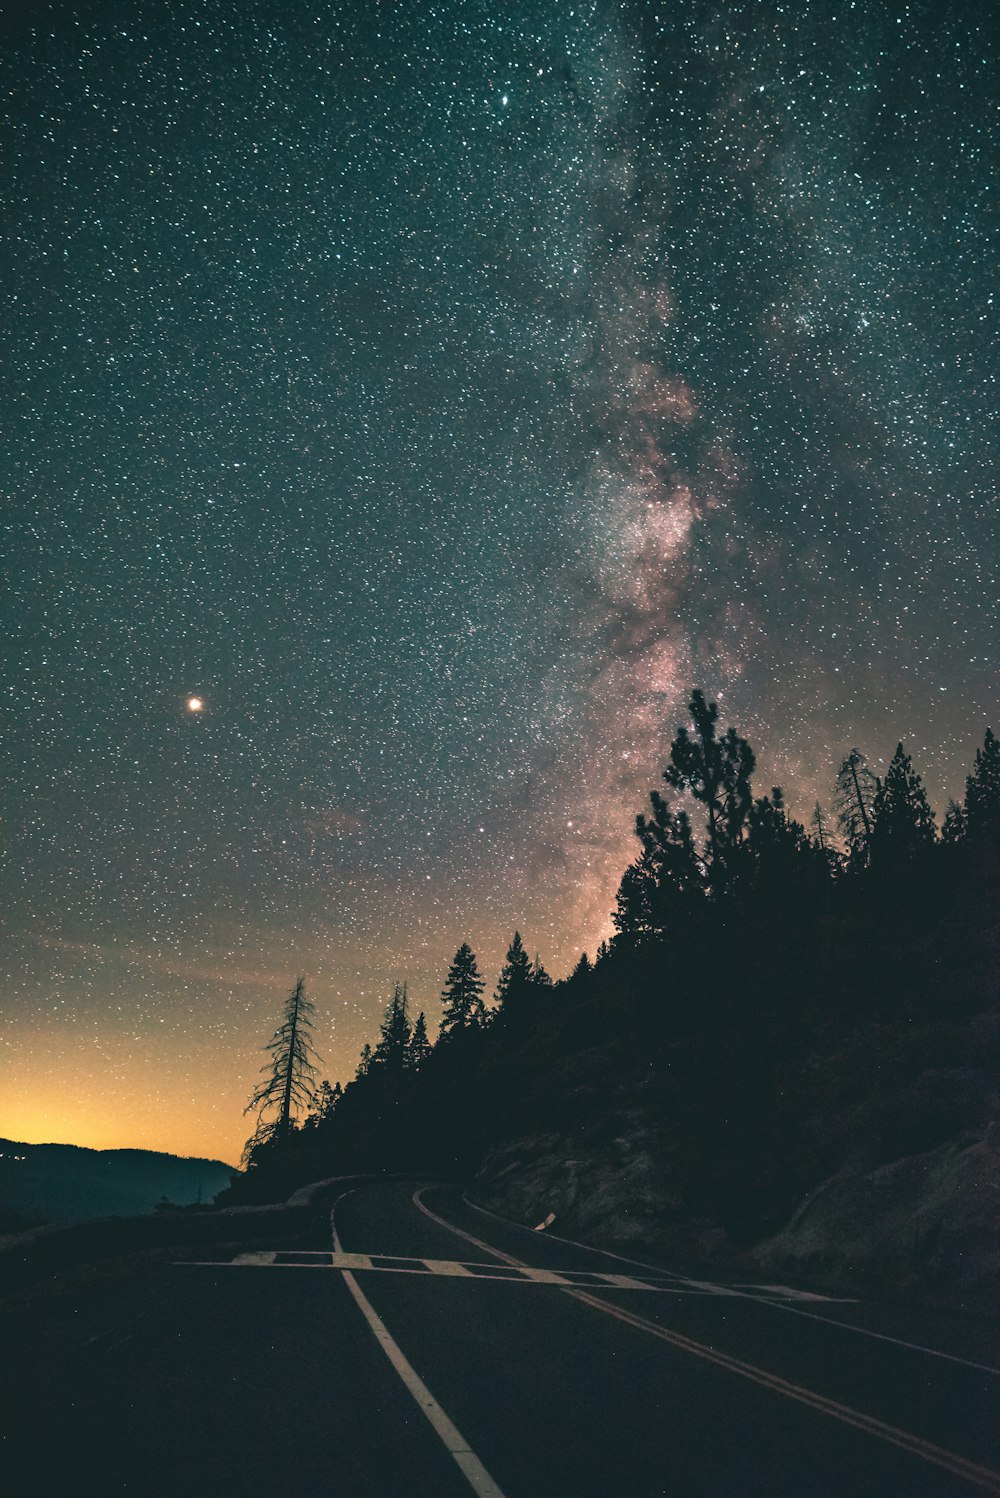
x,y
42,1183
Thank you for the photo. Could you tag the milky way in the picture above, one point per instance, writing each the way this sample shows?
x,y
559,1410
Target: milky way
x,y
437,393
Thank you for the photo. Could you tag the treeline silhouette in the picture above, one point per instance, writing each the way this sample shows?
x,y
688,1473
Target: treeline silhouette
x,y
777,1001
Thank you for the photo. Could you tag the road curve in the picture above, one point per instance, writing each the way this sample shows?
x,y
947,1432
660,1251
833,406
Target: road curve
x,y
422,1347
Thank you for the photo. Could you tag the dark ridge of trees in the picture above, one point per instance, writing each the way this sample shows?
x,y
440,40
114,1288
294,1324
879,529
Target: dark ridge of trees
x,y
772,1005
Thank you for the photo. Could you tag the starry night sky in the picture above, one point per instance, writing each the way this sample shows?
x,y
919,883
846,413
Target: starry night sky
x,y
439,391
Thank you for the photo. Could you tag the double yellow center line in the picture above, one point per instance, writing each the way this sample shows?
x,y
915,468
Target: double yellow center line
x,y
958,1466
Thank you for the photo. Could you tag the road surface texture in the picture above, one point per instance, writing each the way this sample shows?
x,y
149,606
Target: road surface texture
x,y
419,1346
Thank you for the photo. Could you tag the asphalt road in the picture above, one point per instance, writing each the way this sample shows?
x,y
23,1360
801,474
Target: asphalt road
x,y
421,1347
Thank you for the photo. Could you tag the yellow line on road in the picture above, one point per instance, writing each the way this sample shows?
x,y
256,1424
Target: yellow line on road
x,y
981,1477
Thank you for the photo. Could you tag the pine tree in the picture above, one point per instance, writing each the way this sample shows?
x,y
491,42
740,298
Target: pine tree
x,y
982,791
515,983
856,790
717,773
657,890
419,1047
287,1083
584,967
902,823
819,826
324,1103
539,976
955,824
462,993
780,846
365,1064
394,1035
633,916
667,839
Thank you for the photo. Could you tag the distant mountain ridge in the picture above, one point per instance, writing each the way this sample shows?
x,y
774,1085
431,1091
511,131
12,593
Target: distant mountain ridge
x,y
42,1183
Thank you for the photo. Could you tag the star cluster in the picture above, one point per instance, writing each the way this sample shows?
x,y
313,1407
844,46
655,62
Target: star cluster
x,y
433,394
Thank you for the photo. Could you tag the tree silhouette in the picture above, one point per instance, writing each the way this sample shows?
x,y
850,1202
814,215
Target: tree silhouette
x,y
955,824
767,1037
516,979
819,825
539,976
394,1036
634,916
982,791
856,790
419,1047
902,823
717,773
783,863
287,1083
462,993
659,887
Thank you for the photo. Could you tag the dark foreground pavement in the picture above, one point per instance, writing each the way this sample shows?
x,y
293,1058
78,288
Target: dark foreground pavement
x,y
420,1360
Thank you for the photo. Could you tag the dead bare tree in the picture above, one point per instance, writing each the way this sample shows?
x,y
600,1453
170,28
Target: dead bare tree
x,y
288,1076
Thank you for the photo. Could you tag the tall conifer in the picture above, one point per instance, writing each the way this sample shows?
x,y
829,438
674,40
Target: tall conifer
x,y
394,1035
516,978
902,821
419,1047
982,791
462,993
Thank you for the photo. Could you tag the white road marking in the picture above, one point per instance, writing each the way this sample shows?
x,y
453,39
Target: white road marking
x,y
353,1261
323,1263
710,1287
864,1331
785,1291
446,1267
625,1282
525,1274
779,1305
495,1253
544,1277
465,1458
678,1284
951,1461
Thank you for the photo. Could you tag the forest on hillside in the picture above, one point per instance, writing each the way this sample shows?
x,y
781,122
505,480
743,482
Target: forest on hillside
x,y
778,1000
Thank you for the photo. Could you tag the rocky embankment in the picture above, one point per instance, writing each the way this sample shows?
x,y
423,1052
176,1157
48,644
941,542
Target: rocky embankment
x,y
625,1189
923,1227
